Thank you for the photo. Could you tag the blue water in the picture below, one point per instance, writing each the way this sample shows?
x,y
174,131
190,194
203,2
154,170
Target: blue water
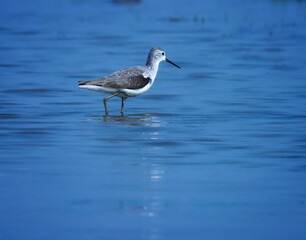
x,y
215,150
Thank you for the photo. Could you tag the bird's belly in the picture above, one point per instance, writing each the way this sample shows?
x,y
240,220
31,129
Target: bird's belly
x,y
135,92
99,88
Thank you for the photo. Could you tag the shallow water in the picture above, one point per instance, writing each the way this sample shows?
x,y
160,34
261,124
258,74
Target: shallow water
x,y
214,150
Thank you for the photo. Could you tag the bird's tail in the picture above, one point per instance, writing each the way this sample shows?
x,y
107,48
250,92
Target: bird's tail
x,y
82,83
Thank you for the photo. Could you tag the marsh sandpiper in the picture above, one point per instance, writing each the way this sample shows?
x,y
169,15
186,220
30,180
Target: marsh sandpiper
x,y
129,82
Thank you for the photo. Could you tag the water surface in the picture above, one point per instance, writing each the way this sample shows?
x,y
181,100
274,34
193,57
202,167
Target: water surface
x,y
215,150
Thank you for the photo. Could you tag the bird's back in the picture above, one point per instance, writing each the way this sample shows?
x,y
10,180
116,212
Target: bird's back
x,y
129,78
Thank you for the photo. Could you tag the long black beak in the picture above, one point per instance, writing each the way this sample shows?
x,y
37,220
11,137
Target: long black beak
x,y
167,60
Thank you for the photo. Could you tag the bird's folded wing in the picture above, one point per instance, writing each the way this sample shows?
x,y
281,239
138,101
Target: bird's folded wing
x,y
130,78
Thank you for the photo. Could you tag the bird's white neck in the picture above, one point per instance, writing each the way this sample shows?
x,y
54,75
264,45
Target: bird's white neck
x,y
152,69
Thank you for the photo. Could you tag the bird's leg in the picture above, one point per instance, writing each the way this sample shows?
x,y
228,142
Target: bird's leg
x,y
106,99
122,104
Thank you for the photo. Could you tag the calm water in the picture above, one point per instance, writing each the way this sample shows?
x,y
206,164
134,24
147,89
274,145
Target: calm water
x,y
215,150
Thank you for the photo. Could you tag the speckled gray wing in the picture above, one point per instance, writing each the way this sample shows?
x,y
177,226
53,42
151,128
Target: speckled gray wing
x,y
130,78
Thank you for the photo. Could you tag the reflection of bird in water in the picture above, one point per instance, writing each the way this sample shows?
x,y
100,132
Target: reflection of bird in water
x,y
147,120
129,82
144,120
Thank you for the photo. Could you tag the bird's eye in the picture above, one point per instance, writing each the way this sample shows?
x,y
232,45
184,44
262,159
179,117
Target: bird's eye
x,y
163,53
